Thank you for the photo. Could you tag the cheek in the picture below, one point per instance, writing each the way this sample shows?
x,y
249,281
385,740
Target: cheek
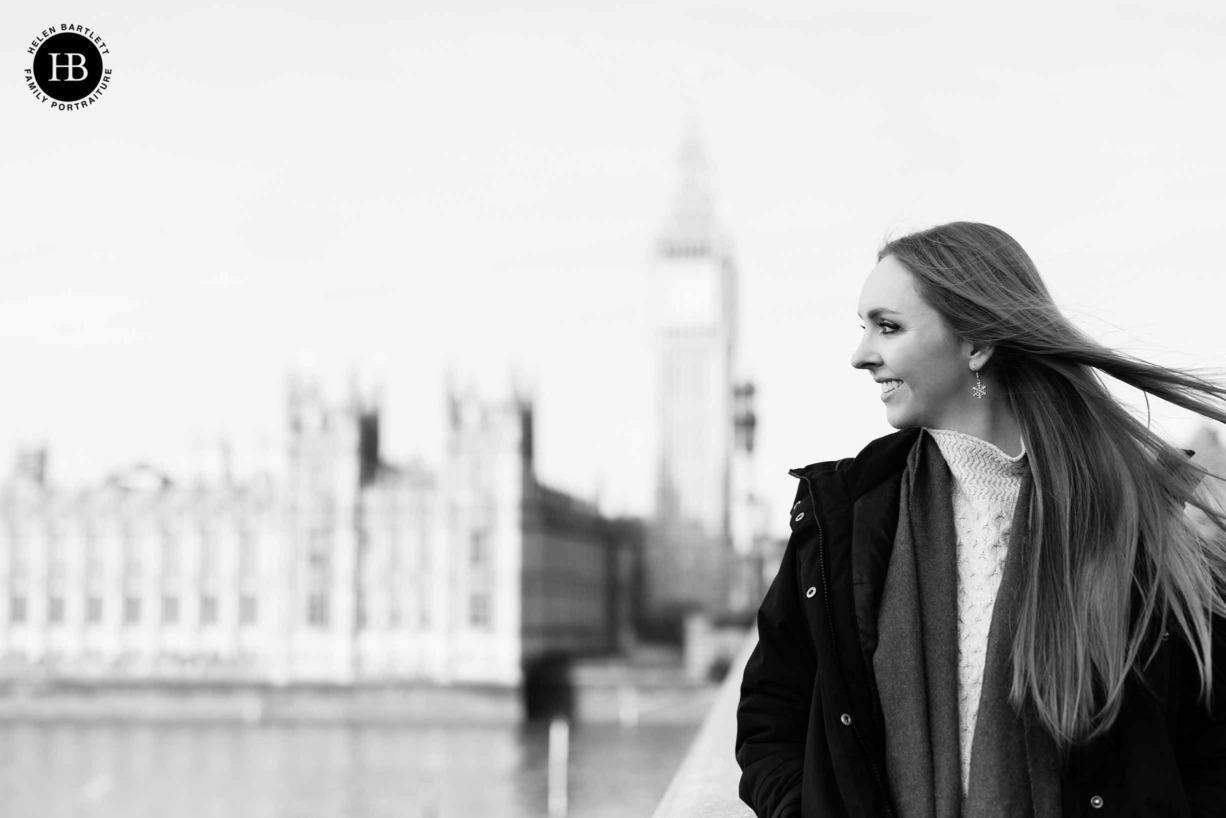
x,y
928,382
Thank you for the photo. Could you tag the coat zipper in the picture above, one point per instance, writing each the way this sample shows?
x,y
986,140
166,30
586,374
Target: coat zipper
x,y
821,564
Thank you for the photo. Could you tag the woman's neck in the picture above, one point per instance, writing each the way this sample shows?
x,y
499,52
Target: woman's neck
x,y
998,427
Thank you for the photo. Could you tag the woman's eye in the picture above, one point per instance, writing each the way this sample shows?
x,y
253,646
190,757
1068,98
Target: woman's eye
x,y
886,327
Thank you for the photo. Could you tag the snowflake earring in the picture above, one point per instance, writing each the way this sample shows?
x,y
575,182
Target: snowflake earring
x,y
979,389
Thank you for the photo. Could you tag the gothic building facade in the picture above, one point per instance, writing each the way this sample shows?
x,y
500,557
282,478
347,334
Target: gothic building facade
x,y
342,569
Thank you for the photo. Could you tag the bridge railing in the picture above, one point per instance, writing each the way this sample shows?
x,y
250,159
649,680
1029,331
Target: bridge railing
x,y
705,785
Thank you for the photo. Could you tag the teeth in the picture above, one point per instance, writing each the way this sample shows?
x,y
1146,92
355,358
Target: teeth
x,y
889,386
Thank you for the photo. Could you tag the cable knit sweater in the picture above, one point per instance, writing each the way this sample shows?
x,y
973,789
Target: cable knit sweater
x,y
986,486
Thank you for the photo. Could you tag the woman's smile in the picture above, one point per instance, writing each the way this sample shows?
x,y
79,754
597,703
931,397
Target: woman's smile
x,y
888,387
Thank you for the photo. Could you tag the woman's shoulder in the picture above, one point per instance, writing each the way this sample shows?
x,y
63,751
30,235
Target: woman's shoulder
x,y
877,461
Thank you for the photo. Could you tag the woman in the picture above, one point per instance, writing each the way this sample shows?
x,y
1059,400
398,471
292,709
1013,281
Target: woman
x,y
1001,609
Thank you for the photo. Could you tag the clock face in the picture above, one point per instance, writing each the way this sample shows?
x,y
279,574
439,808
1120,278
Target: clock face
x,y
690,293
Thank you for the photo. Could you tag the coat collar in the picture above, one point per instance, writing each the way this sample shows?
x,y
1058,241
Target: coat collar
x,y
879,460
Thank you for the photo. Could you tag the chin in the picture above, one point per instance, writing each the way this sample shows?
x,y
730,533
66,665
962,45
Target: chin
x,y
901,420
896,419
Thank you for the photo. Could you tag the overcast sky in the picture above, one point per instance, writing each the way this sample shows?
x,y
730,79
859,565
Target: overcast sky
x,y
408,188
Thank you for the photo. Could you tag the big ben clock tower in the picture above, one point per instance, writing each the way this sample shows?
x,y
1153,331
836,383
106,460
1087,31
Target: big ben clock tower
x,y
694,282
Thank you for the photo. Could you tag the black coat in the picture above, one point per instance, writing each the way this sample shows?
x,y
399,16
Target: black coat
x,y
810,739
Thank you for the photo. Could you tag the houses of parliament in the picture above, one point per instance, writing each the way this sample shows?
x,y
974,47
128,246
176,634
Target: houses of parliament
x,y
345,569
340,567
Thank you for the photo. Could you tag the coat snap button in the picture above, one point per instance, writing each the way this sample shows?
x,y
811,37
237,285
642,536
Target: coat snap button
x,y
1166,635
846,719
800,516
812,592
1097,802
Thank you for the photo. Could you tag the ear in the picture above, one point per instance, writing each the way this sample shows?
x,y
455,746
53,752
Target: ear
x,y
978,354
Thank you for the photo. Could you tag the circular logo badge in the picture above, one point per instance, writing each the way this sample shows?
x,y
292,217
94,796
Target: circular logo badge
x,y
68,67
67,71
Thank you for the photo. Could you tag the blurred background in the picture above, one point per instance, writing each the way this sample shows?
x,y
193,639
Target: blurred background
x,y
388,385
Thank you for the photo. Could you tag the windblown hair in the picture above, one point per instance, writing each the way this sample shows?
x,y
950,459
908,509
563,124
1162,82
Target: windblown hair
x,y
1111,553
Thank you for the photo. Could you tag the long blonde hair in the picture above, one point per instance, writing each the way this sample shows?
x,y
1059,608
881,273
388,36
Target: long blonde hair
x,y
1111,553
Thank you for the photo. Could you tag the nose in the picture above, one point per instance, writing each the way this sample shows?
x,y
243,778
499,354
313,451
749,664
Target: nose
x,y
864,356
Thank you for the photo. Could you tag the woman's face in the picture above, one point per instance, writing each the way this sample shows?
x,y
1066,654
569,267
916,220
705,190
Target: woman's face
x,y
923,368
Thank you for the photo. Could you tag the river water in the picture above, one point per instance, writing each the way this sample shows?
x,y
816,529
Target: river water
x,y
328,771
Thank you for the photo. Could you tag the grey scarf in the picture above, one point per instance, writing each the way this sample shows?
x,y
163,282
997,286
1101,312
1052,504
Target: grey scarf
x,y
1014,771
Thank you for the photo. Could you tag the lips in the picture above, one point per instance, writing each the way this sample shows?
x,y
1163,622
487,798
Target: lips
x,y
889,386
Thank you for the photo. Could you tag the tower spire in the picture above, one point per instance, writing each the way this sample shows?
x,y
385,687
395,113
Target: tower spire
x,y
690,227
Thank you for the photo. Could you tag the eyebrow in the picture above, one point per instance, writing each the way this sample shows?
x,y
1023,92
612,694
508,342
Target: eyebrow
x,y
875,311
